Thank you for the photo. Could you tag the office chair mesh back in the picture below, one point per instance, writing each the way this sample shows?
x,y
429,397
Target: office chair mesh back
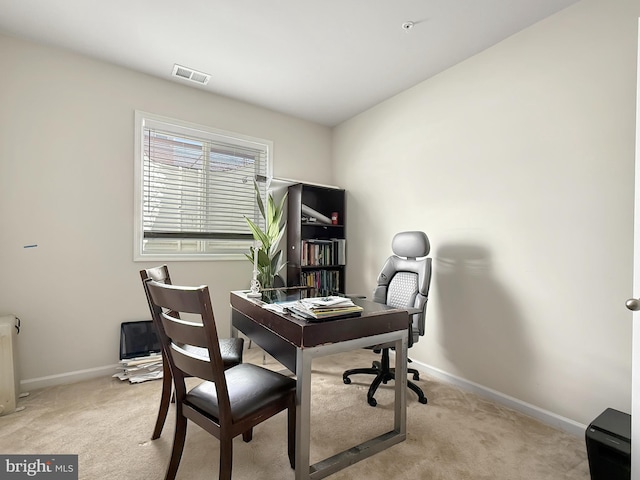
x,y
403,289
405,278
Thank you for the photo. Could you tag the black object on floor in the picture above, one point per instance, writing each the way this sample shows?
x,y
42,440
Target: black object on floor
x,y
138,339
608,440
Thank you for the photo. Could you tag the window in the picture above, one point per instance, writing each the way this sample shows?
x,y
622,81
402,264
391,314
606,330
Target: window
x,y
194,187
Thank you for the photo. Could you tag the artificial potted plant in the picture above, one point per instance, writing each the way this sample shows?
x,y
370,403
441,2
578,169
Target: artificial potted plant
x,y
269,262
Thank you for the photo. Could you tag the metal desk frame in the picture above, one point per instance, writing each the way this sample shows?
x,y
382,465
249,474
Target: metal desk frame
x,y
265,328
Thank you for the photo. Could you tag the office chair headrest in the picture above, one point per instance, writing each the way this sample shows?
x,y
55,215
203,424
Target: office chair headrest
x,y
411,244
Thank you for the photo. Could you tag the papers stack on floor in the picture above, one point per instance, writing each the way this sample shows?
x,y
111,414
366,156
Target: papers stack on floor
x,y
322,308
140,369
140,358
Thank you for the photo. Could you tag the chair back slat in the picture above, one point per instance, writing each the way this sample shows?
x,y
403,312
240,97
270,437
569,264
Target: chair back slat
x,y
180,299
191,363
159,274
183,332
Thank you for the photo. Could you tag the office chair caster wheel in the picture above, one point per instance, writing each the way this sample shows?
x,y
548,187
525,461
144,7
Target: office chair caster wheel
x,y
346,380
416,376
372,401
423,401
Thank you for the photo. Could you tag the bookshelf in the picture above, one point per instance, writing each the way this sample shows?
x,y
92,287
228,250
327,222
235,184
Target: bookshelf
x,y
316,242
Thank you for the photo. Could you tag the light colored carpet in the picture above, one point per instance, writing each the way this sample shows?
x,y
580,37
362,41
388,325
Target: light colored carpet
x,y
458,435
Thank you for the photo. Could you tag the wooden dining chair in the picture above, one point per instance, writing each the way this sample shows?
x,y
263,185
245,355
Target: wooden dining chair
x,y
228,402
230,348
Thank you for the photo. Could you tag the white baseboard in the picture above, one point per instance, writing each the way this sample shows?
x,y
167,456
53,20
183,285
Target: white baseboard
x,y
544,416
66,378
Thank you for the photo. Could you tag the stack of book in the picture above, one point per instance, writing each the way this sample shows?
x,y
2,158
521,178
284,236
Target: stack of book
x,y
140,369
323,252
325,282
323,308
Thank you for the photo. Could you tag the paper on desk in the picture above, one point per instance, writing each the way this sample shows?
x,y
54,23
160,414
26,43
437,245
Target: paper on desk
x,y
279,307
326,302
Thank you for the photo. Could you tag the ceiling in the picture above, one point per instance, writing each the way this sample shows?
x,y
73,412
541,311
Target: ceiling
x,y
322,61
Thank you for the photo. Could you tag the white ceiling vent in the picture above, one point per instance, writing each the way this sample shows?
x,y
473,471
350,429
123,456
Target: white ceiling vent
x,y
190,74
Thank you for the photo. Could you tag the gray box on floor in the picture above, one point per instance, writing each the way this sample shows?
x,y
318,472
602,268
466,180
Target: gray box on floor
x,y
608,440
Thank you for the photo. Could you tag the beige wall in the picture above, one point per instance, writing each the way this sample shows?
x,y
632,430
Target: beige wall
x,y
66,184
519,164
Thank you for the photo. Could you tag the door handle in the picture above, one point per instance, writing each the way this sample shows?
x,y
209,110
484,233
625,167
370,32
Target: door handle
x,y
633,304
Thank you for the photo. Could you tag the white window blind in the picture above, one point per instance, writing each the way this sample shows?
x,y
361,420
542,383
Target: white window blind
x,y
197,186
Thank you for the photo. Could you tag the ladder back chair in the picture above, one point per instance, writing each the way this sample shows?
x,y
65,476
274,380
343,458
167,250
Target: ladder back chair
x,y
231,349
229,401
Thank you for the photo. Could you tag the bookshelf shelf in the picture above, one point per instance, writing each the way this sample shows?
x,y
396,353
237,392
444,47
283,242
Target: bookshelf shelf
x,y
316,250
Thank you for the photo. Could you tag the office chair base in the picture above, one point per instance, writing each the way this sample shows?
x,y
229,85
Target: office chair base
x,y
383,373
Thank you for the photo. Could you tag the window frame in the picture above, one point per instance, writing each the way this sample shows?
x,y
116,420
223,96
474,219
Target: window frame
x,y
180,127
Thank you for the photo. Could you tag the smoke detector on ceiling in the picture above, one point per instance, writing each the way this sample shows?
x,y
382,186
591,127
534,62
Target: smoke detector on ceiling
x,y
406,26
190,74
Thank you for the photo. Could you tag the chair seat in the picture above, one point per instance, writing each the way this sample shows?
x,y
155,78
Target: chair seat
x,y
250,388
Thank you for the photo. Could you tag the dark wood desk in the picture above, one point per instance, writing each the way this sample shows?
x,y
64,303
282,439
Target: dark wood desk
x,y
295,343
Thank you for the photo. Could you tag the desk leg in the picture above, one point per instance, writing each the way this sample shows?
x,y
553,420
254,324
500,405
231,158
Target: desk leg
x,y
400,422
303,414
234,332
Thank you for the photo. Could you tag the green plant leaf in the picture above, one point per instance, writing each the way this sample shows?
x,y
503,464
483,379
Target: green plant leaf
x,y
269,256
259,199
258,234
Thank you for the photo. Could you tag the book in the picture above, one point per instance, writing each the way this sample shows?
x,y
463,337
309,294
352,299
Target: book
x,y
327,302
325,282
321,308
323,252
339,247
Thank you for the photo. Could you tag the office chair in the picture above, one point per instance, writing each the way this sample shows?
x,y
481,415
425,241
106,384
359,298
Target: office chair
x,y
231,349
229,401
403,283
